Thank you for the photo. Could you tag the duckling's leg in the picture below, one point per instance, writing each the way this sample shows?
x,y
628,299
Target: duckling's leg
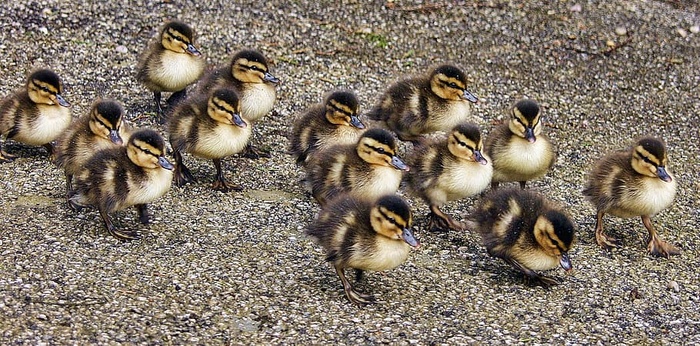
x,y
522,184
494,185
604,241
182,174
114,231
159,110
355,297
220,183
254,153
142,210
440,221
50,150
655,245
532,277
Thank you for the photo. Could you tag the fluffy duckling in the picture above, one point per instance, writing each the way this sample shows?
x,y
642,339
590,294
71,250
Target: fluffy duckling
x,y
35,115
103,127
416,106
171,63
364,235
368,169
211,127
526,231
248,74
117,178
449,169
324,125
631,183
519,151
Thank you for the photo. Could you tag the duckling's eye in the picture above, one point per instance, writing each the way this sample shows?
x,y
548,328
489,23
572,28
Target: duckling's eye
x,y
646,159
453,85
381,150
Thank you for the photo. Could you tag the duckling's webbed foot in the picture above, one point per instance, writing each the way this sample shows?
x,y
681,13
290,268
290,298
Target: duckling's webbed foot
x,y
655,245
254,153
604,241
5,157
142,210
354,297
532,277
114,231
220,183
441,222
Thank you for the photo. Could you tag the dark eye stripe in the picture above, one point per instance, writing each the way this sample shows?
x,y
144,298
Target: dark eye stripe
x,y
390,219
340,109
463,143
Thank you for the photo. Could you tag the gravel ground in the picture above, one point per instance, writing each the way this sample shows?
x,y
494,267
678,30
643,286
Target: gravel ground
x,y
235,268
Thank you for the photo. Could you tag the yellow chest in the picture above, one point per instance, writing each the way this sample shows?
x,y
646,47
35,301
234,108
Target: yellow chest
x,y
257,99
178,70
51,122
224,140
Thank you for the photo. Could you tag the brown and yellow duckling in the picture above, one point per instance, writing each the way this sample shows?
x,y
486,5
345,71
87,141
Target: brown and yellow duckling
x,y
631,183
102,128
368,169
35,115
248,74
449,169
117,178
526,231
211,127
171,63
519,150
416,106
335,121
364,235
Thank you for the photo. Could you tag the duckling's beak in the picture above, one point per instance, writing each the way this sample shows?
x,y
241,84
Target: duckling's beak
x,y
192,50
270,78
662,174
467,95
398,164
163,162
565,262
238,121
479,158
408,237
355,121
530,134
61,101
115,137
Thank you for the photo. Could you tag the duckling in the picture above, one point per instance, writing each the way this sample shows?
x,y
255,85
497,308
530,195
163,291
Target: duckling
x,y
117,178
103,127
364,235
210,127
171,64
416,106
368,169
324,125
630,183
248,74
35,115
449,169
526,231
519,151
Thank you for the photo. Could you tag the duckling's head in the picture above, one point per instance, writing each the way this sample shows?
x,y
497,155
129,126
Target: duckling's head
x,y
649,158
450,83
178,37
106,120
45,87
146,148
555,233
250,66
525,120
465,142
378,147
224,106
391,217
342,108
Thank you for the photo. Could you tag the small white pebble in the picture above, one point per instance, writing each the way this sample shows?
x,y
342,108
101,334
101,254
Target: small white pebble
x,y
576,8
674,286
621,31
695,29
122,49
682,32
